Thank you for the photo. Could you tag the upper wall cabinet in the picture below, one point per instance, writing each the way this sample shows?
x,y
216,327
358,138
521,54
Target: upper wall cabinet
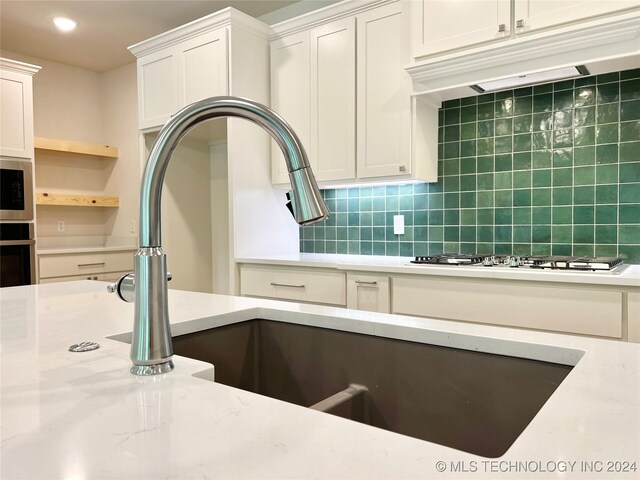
x,y
185,65
532,15
442,25
462,43
290,95
16,114
338,76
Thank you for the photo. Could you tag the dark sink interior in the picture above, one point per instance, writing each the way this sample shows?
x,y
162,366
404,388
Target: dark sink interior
x,y
472,401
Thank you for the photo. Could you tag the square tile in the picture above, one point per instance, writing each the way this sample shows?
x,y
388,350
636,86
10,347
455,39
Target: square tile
x,y
630,172
630,110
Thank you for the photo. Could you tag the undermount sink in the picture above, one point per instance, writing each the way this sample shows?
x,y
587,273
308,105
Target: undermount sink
x,y
468,400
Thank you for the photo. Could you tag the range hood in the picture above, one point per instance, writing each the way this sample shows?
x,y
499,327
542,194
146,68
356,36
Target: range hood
x,y
599,48
556,74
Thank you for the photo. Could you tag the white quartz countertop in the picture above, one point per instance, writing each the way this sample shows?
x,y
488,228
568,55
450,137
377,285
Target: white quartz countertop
x,y
628,276
84,416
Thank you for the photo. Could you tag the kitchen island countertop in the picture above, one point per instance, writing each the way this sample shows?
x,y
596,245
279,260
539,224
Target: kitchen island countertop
x,y
83,416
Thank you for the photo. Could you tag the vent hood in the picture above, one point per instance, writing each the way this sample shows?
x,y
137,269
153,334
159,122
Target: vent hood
x,y
600,47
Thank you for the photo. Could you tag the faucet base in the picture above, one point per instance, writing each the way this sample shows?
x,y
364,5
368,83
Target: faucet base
x,y
146,370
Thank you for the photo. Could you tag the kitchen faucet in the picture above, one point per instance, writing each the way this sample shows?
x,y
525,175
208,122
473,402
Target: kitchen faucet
x,y
151,346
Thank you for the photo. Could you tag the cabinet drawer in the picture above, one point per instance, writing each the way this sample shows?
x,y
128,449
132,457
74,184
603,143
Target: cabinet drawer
x,y
103,277
555,308
303,285
85,264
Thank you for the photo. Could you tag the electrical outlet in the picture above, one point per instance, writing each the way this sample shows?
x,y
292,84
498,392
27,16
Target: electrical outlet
x,y
132,226
398,224
61,226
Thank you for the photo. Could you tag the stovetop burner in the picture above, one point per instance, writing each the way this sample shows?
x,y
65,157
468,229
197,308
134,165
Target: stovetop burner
x,y
449,259
528,261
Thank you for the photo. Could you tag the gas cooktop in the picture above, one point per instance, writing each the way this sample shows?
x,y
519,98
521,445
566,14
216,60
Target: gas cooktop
x,y
607,264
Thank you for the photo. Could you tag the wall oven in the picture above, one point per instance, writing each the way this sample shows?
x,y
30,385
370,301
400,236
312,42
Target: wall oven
x,y
16,190
17,254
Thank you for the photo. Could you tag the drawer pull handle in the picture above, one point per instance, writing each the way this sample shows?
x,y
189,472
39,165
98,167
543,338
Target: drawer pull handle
x,y
91,264
274,284
362,282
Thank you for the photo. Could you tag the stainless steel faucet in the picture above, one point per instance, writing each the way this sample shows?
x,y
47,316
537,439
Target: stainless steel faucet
x,y
151,346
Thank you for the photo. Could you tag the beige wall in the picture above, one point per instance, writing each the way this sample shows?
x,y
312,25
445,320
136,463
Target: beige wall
x,y
120,127
75,104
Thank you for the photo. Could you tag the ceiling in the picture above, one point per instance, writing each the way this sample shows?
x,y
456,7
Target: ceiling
x,y
105,27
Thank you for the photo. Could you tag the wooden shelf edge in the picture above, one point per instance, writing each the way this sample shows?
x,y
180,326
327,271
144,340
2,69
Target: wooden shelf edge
x,y
76,200
71,146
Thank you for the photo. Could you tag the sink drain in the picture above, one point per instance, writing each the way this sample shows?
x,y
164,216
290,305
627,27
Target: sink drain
x,y
84,347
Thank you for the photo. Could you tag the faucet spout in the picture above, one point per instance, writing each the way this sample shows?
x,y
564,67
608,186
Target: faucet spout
x,y
151,347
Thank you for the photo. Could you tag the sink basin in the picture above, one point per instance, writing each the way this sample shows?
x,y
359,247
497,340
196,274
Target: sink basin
x,y
471,401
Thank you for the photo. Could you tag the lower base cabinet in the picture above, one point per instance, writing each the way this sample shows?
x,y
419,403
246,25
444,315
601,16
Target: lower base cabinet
x,y
369,293
105,266
552,307
581,309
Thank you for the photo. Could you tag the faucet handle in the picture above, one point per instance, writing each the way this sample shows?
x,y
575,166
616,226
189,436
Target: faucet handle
x,y
125,287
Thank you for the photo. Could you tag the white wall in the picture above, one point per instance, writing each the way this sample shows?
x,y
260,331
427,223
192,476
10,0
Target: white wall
x,y
120,127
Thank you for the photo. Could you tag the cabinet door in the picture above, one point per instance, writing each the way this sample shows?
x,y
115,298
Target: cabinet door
x,y
16,115
290,94
370,293
442,25
384,94
157,88
333,100
535,14
203,64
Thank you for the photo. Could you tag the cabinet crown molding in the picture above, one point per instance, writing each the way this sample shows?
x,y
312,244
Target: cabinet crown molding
x,y
226,17
324,15
616,37
18,67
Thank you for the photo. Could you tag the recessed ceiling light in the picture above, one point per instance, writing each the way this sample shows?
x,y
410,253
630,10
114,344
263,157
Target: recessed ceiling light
x,y
64,24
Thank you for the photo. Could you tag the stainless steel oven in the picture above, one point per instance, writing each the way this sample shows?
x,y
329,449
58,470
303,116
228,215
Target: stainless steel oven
x,y
16,190
17,254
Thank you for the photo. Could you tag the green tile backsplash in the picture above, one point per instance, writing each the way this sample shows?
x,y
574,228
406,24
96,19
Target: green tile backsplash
x,y
549,169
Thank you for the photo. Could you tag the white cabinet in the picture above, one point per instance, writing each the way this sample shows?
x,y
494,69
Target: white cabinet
x,y
290,94
157,88
314,285
358,109
333,100
84,266
536,14
313,75
203,67
384,103
218,199
16,112
175,76
442,25
559,308
368,292
633,316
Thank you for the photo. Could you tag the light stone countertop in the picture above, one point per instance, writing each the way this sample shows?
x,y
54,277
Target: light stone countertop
x,y
628,276
83,416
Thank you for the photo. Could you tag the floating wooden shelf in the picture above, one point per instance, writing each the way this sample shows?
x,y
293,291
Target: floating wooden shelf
x,y
76,200
71,146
